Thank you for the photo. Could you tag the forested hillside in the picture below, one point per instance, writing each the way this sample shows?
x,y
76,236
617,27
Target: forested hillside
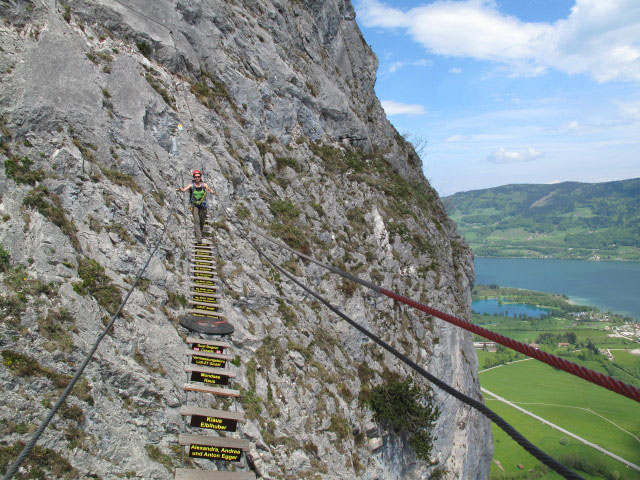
x,y
565,220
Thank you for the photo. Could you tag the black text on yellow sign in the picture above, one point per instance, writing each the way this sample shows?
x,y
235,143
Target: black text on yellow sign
x,y
202,347
208,362
209,378
214,423
200,281
203,275
206,258
208,308
203,299
215,453
203,268
203,263
210,290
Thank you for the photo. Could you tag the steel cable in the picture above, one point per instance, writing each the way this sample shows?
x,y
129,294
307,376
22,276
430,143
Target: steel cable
x,y
592,376
483,409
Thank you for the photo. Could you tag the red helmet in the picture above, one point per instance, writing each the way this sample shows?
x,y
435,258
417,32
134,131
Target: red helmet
x,y
197,172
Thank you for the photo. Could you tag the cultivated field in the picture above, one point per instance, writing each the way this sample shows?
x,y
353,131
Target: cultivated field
x,y
594,413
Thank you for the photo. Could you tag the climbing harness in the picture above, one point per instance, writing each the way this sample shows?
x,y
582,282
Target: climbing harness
x,y
197,196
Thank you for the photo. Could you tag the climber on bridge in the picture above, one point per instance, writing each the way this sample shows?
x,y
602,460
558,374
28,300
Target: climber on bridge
x,y
197,194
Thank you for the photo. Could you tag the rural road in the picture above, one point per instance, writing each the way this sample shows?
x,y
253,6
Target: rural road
x,y
566,432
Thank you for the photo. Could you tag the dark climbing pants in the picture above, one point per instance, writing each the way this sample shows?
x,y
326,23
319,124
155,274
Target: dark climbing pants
x,y
199,217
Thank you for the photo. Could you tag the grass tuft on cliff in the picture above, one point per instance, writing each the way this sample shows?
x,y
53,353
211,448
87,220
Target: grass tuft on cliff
x,y
97,283
41,463
403,407
50,206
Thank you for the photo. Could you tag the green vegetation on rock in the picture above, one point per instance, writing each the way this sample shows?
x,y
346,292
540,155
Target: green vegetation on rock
x,y
406,408
20,170
41,464
50,206
97,283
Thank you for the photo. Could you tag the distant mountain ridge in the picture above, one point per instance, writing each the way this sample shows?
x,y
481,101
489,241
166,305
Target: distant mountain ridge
x,y
597,221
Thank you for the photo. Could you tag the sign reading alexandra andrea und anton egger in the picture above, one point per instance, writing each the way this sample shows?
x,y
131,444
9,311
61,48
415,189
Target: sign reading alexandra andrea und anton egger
x,y
215,453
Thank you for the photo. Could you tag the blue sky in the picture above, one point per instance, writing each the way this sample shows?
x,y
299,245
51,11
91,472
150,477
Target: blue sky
x,y
511,91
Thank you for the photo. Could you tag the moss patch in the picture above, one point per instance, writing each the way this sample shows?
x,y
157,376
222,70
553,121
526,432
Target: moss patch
x,y
96,283
42,463
25,366
122,179
57,327
20,170
49,206
5,259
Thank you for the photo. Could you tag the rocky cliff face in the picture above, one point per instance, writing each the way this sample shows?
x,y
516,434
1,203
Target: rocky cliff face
x,y
106,105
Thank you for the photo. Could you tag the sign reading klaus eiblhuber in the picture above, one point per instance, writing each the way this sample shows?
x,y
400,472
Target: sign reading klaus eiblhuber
x,y
214,423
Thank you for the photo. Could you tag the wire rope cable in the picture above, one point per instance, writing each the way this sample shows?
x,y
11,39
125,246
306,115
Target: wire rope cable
x,y
13,468
473,403
592,376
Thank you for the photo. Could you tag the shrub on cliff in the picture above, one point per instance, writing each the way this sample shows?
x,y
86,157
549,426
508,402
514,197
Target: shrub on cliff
x,y
405,408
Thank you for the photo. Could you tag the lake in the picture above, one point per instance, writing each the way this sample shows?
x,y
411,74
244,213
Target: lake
x,y
492,305
609,286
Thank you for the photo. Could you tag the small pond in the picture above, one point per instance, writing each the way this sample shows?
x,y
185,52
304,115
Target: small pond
x,y
493,306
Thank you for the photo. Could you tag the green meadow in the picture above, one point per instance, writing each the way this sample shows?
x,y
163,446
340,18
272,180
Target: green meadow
x,y
508,455
594,413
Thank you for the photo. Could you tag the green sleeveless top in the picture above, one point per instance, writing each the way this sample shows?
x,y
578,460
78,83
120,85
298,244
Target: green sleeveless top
x,y
198,194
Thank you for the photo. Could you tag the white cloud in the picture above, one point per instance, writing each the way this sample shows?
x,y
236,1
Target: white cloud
x,y
423,62
599,37
396,108
502,156
629,111
455,70
456,138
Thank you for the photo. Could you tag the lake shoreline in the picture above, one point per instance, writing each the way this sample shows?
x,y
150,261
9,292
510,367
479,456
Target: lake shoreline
x,y
606,285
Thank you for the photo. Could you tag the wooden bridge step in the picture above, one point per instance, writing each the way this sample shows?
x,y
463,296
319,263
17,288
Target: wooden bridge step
x,y
210,441
203,263
199,279
208,268
222,392
215,371
212,302
186,474
215,343
198,283
202,256
201,274
221,356
203,288
205,244
214,306
205,252
189,410
204,313
202,296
